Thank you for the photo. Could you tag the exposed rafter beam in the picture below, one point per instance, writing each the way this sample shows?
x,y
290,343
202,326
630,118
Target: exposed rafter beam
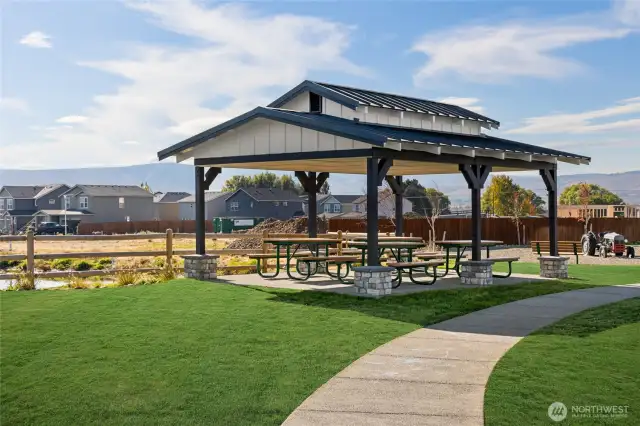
x,y
467,152
545,158
500,155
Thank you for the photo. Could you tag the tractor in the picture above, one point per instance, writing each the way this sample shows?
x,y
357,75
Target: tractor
x,y
603,243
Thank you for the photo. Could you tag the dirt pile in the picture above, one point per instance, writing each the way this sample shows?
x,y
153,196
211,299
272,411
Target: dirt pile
x,y
274,226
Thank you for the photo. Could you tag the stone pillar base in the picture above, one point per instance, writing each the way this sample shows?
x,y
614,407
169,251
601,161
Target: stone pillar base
x,y
316,267
373,281
554,266
202,267
476,272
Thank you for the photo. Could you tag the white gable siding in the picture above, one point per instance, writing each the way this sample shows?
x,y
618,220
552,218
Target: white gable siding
x,y
263,136
299,103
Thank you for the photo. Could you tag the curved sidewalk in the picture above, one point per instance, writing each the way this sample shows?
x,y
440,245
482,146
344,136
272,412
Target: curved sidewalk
x,y
437,375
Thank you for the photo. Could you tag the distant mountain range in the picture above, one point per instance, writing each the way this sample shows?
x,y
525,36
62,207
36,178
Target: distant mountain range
x,y
179,177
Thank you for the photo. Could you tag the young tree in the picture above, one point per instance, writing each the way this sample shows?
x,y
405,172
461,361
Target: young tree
x,y
572,195
585,197
438,204
325,189
521,206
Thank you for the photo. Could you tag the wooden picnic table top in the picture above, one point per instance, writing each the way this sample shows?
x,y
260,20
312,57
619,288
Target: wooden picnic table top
x,y
285,241
390,244
467,243
386,238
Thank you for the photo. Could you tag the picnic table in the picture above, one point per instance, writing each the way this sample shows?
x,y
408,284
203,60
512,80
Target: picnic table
x,y
313,244
396,246
461,246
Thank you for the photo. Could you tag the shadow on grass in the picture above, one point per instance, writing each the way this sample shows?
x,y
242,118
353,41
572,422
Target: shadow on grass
x,y
597,320
427,307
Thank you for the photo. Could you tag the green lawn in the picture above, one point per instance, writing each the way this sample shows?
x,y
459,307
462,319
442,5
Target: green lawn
x,y
187,352
591,358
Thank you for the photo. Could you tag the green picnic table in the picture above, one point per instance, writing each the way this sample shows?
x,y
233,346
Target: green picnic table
x,y
395,245
296,243
461,246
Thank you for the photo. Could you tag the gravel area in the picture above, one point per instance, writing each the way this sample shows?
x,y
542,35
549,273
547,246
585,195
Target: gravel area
x,y
526,255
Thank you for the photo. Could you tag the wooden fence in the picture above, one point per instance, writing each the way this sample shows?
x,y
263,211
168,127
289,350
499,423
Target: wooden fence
x,y
184,226
502,229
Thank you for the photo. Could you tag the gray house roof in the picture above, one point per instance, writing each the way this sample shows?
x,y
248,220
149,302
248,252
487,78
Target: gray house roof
x,y
169,197
270,194
23,191
352,98
208,196
113,190
49,189
346,199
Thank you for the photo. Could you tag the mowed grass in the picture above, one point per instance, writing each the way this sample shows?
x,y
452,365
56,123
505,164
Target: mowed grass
x,y
188,352
588,359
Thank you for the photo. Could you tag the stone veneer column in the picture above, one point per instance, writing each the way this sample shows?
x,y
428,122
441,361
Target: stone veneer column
x,y
476,272
201,266
554,266
373,281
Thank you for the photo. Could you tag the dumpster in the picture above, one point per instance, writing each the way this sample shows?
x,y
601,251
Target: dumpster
x,y
227,225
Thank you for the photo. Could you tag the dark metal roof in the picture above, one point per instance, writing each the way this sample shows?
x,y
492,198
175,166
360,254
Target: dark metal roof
x,y
353,97
208,196
374,134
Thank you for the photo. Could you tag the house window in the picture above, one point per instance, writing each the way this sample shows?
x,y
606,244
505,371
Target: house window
x,y
356,207
84,202
234,206
1,203
336,208
52,200
285,204
315,102
9,203
276,203
121,202
327,208
67,203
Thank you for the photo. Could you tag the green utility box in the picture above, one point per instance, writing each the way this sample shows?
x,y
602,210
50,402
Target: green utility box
x,y
226,225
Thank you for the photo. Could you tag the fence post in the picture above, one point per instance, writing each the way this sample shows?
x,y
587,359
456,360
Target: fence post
x,y
169,262
265,235
340,243
30,253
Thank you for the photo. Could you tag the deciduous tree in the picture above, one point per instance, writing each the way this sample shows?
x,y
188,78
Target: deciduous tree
x,y
572,195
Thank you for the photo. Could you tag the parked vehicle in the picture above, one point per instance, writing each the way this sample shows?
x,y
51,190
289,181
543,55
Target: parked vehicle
x,y
603,243
49,228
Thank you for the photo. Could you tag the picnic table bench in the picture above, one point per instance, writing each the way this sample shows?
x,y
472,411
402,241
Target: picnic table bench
x,y
509,260
411,266
564,247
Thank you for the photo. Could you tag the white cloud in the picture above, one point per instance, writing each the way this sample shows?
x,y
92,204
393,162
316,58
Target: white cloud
x,y
71,119
627,11
498,52
234,58
586,122
468,103
37,39
14,104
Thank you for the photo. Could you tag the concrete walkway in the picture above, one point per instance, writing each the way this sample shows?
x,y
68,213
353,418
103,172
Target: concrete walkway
x,y
437,375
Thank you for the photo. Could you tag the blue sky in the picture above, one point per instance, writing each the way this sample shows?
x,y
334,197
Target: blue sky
x,y
109,83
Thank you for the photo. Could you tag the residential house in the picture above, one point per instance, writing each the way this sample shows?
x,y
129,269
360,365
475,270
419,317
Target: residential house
x,y
214,205
331,205
166,206
263,203
22,205
109,203
386,204
599,210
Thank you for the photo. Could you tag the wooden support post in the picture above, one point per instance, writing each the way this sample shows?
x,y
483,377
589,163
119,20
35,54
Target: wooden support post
x,y
169,261
339,243
265,249
30,254
372,212
475,175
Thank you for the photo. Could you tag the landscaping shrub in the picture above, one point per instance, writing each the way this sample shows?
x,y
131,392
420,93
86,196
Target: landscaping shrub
x,y
6,264
62,264
82,265
77,283
22,265
159,262
167,274
42,265
24,281
126,277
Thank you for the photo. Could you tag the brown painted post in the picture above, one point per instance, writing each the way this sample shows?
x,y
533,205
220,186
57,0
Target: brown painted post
x,y
169,262
265,235
30,253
